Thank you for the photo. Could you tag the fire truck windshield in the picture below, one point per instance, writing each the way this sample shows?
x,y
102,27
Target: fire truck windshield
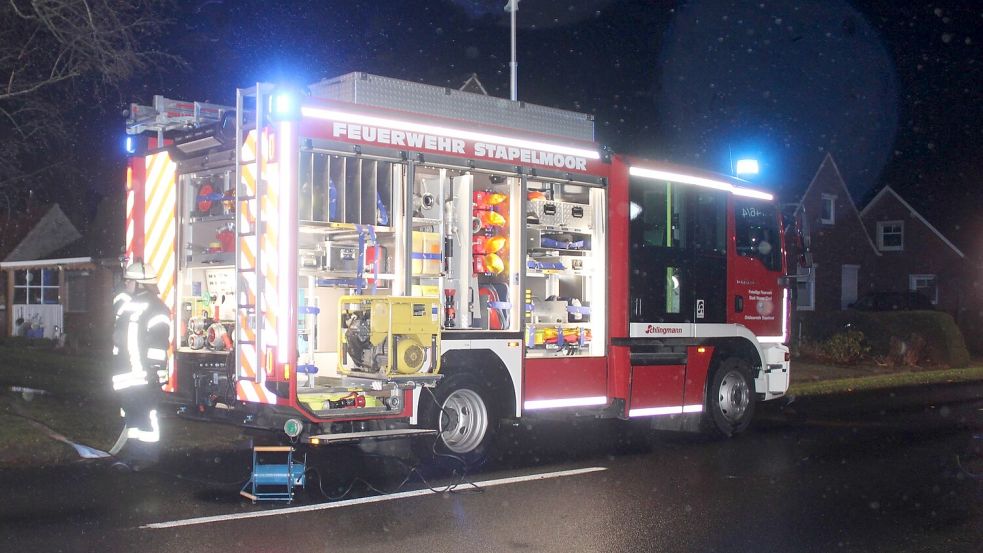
x,y
756,229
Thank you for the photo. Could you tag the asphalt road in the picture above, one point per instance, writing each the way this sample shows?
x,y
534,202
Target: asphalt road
x,y
880,471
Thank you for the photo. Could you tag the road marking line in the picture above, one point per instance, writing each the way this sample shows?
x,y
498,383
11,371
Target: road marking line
x,y
365,500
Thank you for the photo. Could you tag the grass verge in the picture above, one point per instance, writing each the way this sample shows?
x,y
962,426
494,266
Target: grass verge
x,y
26,427
894,380
55,372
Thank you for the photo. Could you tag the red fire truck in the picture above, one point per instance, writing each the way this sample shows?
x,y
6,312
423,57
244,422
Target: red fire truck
x,y
371,257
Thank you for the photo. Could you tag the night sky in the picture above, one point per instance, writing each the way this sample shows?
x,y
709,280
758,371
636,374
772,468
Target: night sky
x,y
894,93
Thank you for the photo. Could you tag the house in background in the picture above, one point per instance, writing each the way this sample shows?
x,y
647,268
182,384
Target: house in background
x,y
914,254
844,257
886,247
57,280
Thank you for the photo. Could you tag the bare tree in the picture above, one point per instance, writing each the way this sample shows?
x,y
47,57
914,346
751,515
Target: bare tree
x,y
56,55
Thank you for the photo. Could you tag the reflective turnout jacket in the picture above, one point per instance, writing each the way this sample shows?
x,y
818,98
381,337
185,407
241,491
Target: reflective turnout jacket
x,y
141,335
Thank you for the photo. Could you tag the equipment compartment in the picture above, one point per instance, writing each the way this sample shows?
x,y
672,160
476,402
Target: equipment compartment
x,y
564,247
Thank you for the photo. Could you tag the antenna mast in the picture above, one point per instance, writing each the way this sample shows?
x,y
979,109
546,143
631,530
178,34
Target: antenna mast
x,y
512,7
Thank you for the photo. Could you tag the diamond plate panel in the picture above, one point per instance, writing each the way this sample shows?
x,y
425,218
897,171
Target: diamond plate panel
x,y
385,92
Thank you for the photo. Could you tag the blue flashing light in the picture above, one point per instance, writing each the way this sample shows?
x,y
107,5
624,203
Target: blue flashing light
x,y
746,167
285,105
130,145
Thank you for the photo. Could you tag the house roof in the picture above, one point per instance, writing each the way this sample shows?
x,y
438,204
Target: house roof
x,y
45,232
35,236
64,262
15,226
829,162
888,192
474,85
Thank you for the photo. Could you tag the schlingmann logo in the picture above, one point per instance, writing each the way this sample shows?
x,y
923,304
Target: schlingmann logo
x,y
652,329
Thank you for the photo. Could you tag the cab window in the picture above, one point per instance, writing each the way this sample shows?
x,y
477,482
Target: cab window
x,y
756,230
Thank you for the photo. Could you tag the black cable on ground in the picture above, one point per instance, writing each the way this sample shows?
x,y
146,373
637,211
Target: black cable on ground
x,y
450,488
976,456
462,479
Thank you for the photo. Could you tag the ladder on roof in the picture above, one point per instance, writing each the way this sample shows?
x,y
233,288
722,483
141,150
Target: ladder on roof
x,y
166,114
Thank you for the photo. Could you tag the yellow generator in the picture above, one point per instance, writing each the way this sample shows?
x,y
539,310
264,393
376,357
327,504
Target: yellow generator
x,y
389,336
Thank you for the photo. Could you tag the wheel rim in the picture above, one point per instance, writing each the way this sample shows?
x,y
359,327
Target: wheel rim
x,y
464,421
734,396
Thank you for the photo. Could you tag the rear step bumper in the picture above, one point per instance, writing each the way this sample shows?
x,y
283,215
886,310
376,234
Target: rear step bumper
x,y
323,439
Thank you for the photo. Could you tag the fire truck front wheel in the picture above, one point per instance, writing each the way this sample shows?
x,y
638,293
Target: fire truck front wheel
x,y
730,398
463,415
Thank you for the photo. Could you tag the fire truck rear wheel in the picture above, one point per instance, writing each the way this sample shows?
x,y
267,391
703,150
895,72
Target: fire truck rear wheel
x,y
465,419
730,398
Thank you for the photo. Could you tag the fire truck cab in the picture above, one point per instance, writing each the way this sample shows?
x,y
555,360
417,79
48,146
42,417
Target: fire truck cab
x,y
373,257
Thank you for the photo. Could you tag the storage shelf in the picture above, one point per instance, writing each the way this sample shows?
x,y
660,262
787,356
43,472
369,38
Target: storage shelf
x,y
212,261
545,252
329,228
539,353
554,228
346,274
557,272
211,219
424,222
185,349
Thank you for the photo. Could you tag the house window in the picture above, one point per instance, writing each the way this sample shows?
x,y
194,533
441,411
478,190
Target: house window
x,y
76,284
36,287
828,210
926,285
805,296
890,235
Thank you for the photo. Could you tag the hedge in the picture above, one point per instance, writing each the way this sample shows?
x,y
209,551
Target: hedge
x,y
943,339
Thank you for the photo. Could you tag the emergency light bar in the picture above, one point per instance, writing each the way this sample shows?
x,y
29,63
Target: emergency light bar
x,y
285,105
336,115
698,181
747,167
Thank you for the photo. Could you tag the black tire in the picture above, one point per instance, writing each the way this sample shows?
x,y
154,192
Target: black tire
x,y
465,416
730,399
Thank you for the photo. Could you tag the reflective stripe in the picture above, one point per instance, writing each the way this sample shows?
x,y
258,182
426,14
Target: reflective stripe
x,y
654,411
124,299
125,380
566,402
157,320
670,410
132,337
134,306
133,346
148,436
138,372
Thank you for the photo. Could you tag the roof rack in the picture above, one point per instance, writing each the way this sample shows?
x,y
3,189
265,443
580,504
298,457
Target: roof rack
x,y
167,114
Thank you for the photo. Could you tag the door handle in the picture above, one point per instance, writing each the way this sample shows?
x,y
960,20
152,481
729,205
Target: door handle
x,y
738,304
636,306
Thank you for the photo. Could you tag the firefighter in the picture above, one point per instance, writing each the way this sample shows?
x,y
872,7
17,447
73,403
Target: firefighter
x,y
141,335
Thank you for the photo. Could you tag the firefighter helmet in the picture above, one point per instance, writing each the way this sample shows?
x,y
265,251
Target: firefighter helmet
x,y
140,272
